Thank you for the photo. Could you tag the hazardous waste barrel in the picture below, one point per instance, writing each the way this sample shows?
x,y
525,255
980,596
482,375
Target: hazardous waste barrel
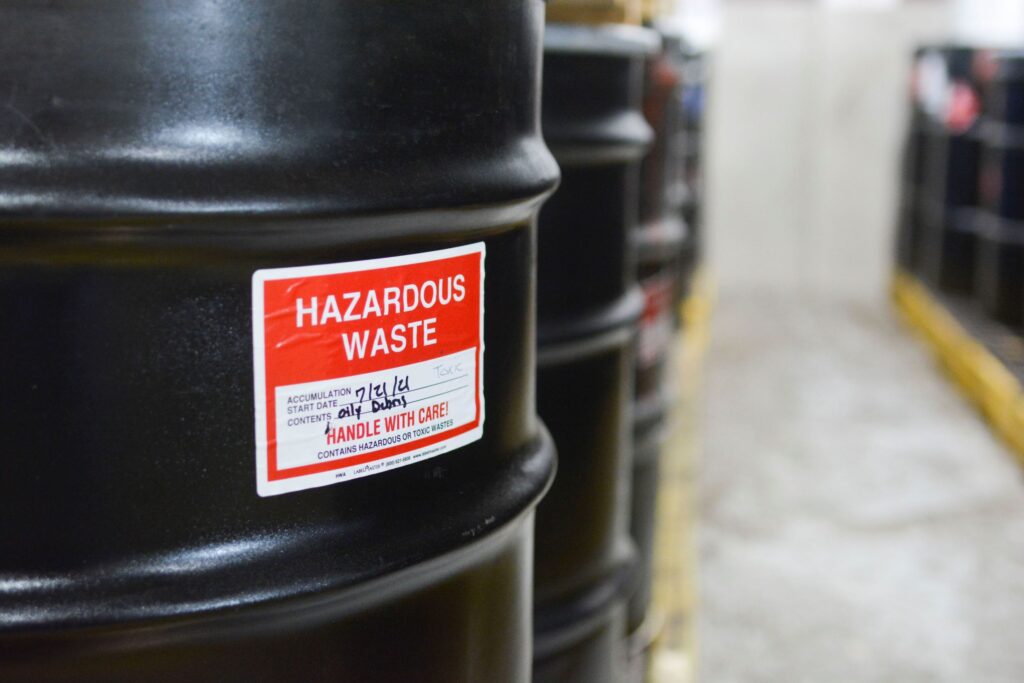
x,y
693,68
909,221
660,239
950,183
267,355
999,271
659,271
662,184
588,305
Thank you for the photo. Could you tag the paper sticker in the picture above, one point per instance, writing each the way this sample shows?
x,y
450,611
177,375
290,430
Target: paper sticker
x,y
656,325
365,366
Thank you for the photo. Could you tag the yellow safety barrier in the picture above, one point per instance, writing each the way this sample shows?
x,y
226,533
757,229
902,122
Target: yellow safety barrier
x,y
979,374
675,595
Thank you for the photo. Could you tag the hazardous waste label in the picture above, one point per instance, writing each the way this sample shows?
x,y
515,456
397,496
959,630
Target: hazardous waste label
x,y
366,366
656,326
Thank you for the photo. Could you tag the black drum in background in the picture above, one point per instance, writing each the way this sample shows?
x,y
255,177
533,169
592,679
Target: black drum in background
x,y
663,189
999,271
660,240
693,66
909,222
949,191
155,156
658,273
643,624
588,306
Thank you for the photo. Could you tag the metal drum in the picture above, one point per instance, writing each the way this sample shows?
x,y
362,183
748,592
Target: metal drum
x,y
693,66
643,625
588,305
999,271
663,189
166,515
950,183
660,240
909,223
658,274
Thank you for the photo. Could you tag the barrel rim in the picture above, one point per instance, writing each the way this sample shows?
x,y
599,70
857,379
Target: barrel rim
x,y
560,623
593,331
1002,134
100,599
991,227
612,40
660,240
178,237
159,214
651,419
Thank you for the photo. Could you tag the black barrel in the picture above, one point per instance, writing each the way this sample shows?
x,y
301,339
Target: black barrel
x,y
160,163
661,237
693,66
909,221
950,183
659,271
643,625
999,272
658,274
588,305
663,190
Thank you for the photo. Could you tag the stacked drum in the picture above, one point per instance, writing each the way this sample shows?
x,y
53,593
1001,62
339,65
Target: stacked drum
x,y
279,319
692,66
910,221
951,147
660,239
588,307
999,271
961,224
267,359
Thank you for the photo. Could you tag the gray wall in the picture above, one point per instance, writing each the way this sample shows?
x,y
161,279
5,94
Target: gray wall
x,y
806,118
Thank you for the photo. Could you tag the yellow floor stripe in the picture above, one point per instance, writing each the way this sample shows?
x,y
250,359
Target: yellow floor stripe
x,y
675,595
979,374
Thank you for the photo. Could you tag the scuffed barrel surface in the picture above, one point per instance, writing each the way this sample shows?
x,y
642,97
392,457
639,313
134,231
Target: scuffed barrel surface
x,y
588,306
153,156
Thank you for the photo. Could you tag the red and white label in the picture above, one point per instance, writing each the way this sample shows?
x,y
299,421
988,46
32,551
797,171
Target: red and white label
x,y
963,109
655,334
366,366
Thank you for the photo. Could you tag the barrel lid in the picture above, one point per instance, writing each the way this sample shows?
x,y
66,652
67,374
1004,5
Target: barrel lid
x,y
608,39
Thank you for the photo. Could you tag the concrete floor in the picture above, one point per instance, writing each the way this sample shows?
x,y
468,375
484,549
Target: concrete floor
x,y
857,522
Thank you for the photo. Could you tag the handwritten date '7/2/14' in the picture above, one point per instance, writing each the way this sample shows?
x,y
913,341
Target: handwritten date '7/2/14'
x,y
379,395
